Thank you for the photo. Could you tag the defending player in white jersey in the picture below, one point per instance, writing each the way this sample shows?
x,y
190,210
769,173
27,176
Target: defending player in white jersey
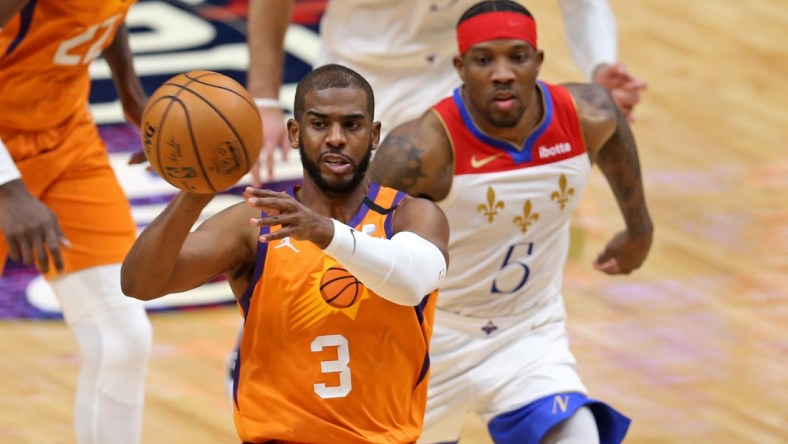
x,y
405,49
507,158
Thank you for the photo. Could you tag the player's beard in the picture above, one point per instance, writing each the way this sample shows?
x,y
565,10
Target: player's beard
x,y
338,189
508,120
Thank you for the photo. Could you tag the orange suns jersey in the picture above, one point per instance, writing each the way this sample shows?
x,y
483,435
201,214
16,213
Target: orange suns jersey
x,y
45,52
309,372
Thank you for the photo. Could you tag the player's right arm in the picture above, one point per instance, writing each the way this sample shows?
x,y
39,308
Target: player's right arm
x,y
416,158
31,230
402,269
591,33
168,258
9,8
267,23
120,60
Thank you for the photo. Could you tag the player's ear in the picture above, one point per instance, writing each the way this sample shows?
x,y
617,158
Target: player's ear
x,y
375,135
458,66
292,131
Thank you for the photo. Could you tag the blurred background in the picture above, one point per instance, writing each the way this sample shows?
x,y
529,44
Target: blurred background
x,y
693,346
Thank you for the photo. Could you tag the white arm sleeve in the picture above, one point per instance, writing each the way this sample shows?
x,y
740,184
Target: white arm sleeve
x,y
8,169
591,33
402,269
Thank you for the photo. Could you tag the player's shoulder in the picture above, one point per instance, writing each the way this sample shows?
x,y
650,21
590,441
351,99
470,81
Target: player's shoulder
x,y
592,101
596,109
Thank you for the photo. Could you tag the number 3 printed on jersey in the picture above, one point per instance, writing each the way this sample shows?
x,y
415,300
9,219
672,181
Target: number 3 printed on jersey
x,y
69,54
338,365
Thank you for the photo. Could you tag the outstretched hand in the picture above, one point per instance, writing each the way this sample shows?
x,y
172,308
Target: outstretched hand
x,y
297,220
623,254
623,86
274,138
31,230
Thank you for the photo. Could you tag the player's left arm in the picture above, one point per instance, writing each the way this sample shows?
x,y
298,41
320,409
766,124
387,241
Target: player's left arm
x,y
402,269
612,147
9,8
120,60
405,268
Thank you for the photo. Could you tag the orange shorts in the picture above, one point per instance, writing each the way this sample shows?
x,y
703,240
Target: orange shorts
x,y
68,169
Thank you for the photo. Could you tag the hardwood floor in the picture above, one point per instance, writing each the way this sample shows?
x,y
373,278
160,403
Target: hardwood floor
x,y
693,347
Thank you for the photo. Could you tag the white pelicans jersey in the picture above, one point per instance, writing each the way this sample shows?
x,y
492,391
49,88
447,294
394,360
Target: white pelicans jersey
x,y
509,209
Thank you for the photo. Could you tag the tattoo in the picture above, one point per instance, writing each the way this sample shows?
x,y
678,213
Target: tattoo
x,y
618,160
398,164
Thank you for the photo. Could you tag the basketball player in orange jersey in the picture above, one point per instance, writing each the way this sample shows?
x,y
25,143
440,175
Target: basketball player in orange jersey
x,y
507,158
61,206
309,371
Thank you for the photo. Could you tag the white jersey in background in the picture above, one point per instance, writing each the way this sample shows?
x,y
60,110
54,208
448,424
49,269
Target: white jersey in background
x,y
404,48
509,210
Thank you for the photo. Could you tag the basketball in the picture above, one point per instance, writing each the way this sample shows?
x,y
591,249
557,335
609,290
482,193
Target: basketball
x,y
339,288
201,131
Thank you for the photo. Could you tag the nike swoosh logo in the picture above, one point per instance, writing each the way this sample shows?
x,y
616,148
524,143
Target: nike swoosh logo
x,y
478,163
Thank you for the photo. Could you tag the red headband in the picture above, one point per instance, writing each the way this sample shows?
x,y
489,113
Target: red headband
x,y
493,26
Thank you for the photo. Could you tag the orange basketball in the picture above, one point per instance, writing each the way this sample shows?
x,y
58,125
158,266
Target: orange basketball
x,y
339,288
201,131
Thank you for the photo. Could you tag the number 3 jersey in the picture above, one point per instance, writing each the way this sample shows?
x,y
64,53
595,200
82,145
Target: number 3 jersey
x,y
509,209
45,52
310,372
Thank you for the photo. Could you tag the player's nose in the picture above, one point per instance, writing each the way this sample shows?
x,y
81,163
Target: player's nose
x,y
502,72
335,137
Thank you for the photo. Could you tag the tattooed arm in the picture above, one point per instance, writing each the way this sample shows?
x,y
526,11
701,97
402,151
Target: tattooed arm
x,y
416,157
612,147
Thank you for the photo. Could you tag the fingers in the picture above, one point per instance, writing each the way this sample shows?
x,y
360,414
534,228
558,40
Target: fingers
x,y
269,164
608,266
137,157
272,202
41,257
36,249
274,137
281,233
53,242
626,100
255,172
284,145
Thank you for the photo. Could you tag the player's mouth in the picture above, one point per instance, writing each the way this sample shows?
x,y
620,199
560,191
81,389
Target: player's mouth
x,y
336,163
504,101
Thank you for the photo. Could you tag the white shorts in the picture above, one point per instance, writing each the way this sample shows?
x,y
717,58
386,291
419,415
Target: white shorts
x,y
521,360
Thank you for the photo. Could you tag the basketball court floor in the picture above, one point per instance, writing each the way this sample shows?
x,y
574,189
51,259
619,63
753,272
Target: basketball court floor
x,y
693,347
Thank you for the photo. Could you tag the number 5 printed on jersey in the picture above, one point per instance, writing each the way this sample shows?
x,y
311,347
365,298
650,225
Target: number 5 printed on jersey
x,y
514,272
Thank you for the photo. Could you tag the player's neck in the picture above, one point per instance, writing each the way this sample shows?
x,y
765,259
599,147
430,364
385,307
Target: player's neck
x,y
516,134
341,207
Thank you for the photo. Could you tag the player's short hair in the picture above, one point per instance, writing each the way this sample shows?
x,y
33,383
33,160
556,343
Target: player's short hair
x,y
493,6
332,76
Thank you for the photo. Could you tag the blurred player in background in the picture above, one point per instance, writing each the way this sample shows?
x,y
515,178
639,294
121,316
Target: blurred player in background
x,y
309,371
61,207
507,157
405,49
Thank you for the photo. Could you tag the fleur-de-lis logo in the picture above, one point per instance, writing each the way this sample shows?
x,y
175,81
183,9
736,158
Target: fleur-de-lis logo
x,y
490,210
527,218
563,196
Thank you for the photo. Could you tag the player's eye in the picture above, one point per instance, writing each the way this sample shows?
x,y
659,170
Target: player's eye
x,y
318,124
520,57
352,125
